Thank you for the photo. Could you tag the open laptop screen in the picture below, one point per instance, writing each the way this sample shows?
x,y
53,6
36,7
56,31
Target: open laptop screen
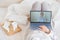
x,y
41,17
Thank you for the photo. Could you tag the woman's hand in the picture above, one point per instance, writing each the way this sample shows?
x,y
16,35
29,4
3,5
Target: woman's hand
x,y
44,29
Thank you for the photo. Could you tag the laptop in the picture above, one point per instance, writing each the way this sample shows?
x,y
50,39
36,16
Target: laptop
x,y
38,18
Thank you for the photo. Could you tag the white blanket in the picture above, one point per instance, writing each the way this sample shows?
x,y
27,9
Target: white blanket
x,y
40,35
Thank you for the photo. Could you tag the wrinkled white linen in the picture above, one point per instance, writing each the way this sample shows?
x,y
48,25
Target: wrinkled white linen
x,y
40,35
57,24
